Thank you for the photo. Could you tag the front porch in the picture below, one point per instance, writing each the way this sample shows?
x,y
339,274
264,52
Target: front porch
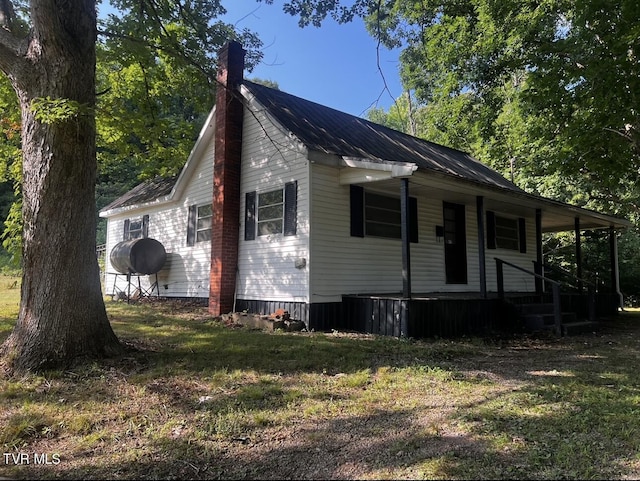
x,y
427,315
449,314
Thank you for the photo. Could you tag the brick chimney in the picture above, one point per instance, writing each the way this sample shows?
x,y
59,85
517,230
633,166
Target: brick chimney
x,y
226,179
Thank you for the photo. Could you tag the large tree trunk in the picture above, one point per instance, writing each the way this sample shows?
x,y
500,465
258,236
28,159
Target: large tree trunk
x,y
62,313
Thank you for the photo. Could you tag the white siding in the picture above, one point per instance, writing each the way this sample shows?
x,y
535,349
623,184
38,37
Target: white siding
x,y
427,256
267,265
335,263
186,272
514,280
343,264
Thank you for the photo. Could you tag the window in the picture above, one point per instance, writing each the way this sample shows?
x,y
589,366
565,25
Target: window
x,y
379,215
203,223
270,212
506,232
136,228
199,223
382,216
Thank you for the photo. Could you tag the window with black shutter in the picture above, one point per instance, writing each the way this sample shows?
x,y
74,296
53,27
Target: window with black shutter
x,y
199,222
378,215
506,232
204,216
271,212
136,228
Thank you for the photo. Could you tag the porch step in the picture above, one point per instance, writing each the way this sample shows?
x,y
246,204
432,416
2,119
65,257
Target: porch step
x,y
539,316
546,321
535,308
579,327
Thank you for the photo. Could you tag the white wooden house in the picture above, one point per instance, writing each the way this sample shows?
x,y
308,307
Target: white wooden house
x,y
335,218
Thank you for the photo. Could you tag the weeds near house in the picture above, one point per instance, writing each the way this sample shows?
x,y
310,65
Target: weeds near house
x,y
195,399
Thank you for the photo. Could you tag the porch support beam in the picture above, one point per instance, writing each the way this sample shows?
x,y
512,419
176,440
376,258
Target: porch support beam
x,y
404,229
539,257
578,253
615,274
481,246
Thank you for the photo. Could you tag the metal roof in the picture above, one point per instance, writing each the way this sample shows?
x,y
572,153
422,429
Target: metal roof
x,y
326,130
147,191
330,131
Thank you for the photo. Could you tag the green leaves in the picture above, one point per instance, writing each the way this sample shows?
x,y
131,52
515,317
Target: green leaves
x,y
550,85
54,111
156,71
156,63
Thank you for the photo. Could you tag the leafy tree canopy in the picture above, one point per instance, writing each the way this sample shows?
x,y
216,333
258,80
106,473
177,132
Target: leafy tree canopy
x,y
550,84
546,91
155,83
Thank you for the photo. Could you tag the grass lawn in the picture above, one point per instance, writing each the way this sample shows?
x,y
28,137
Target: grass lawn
x,y
197,399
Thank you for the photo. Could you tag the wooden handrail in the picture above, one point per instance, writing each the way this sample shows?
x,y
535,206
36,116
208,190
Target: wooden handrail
x,y
555,288
527,271
592,287
567,273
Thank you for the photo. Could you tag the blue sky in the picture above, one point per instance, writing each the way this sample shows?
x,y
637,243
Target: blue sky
x,y
334,65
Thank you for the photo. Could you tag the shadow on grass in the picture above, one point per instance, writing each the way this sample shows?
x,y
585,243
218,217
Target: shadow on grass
x,y
536,408
202,346
398,444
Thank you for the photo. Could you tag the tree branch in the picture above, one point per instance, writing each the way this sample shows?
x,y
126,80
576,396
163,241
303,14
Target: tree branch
x,y
12,47
626,134
160,48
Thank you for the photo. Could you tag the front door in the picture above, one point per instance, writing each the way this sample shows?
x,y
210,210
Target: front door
x,y
455,243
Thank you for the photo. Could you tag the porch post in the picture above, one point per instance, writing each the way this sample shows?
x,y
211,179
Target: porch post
x,y
539,258
578,253
615,274
481,244
404,229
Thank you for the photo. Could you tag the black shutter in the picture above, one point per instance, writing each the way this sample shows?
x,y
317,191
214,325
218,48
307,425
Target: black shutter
x,y
290,207
125,234
250,216
413,216
145,226
191,225
357,211
522,235
491,230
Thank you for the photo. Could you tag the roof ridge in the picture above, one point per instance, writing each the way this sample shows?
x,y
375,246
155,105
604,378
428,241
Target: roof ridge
x,y
362,119
332,131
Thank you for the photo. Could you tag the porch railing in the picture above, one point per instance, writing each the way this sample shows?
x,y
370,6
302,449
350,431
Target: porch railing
x,y
571,279
577,283
555,289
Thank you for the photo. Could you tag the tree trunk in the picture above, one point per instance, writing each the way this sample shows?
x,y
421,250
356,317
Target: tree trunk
x,y
62,313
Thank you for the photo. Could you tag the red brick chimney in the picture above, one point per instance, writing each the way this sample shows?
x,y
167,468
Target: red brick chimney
x,y
226,179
